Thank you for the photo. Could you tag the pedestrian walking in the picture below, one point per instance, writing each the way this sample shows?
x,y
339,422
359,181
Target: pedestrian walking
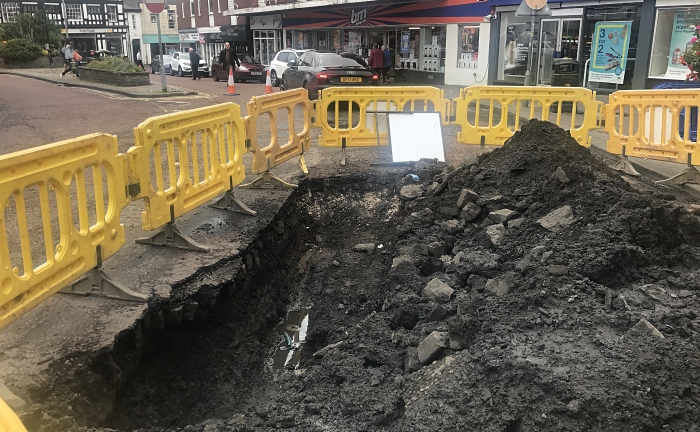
x,y
194,61
228,58
49,48
376,60
387,64
139,62
67,53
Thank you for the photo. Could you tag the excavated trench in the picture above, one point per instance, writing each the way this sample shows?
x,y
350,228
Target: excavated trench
x,y
218,349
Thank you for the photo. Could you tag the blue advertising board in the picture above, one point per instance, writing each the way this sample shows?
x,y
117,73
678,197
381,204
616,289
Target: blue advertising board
x,y
609,51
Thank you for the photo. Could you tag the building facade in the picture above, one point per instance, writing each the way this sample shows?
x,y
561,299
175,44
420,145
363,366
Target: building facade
x,y
439,41
92,24
659,32
205,26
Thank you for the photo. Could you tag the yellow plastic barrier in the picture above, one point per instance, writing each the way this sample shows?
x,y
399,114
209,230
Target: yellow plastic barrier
x,y
648,123
9,422
182,160
357,127
274,153
45,184
516,103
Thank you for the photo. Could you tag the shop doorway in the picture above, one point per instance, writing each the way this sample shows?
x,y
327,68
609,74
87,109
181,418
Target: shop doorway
x,y
559,38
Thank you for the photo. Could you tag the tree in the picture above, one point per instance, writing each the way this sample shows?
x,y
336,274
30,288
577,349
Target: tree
x,y
691,57
34,27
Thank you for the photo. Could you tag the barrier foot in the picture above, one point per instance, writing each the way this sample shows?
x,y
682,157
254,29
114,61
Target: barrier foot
x,y
231,203
97,283
342,157
689,175
267,180
302,164
626,167
170,236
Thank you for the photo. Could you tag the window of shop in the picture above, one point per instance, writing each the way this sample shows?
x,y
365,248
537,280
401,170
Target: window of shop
x,y
112,13
409,48
171,20
266,43
8,11
612,13
672,37
74,12
469,47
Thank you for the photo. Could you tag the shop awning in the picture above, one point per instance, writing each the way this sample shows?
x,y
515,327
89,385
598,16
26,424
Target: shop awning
x,y
149,39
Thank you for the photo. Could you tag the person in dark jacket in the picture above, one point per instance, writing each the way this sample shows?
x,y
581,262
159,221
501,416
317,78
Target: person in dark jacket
x,y
194,61
387,64
376,60
228,58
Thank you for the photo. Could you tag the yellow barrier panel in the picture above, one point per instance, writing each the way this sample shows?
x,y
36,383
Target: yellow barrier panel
x,y
9,422
64,229
180,161
648,123
515,103
274,153
351,121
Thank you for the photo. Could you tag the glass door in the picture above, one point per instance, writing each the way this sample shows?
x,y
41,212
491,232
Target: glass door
x,y
559,38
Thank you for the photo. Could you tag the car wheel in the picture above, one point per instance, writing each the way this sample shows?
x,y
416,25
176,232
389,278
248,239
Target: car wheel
x,y
305,85
179,72
273,77
171,72
283,84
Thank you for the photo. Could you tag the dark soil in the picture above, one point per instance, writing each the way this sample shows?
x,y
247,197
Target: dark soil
x,y
537,333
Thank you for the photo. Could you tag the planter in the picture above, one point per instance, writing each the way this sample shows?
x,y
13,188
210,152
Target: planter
x,y
41,62
121,79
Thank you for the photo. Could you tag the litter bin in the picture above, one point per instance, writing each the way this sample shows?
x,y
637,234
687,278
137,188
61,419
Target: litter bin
x,y
565,73
693,123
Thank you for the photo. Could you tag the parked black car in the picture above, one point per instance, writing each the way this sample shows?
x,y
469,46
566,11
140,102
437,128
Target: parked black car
x,y
317,70
155,63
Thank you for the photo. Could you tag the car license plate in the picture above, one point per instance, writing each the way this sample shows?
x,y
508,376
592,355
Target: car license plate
x,y
350,79
256,73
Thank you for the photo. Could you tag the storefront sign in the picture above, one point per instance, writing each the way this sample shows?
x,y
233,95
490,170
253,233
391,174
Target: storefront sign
x,y
609,53
189,37
683,30
266,22
358,18
405,42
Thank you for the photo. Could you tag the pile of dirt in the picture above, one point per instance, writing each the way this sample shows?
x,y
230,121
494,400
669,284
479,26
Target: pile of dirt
x,y
532,289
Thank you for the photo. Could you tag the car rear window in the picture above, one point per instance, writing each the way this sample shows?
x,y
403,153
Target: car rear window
x,y
246,59
336,60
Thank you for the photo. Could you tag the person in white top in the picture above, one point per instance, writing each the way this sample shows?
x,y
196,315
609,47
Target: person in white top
x,y
67,52
139,63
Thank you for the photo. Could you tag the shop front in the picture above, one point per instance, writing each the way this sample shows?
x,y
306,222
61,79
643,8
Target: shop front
x,y
267,37
673,34
189,38
570,32
435,42
151,49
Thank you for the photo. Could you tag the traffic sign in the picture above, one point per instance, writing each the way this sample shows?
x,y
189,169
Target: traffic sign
x,y
155,6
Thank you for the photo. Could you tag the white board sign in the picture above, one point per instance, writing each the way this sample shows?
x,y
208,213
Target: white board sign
x,y
416,136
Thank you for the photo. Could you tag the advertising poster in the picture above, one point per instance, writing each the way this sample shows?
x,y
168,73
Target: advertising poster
x,y
683,30
609,51
517,49
405,42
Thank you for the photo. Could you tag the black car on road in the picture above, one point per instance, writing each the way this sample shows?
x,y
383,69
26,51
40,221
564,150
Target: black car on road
x,y
155,64
318,70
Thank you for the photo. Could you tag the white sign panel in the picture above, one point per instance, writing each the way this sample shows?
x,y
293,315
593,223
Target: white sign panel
x,y
266,22
416,136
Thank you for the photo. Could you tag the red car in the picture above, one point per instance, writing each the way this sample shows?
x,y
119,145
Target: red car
x,y
250,70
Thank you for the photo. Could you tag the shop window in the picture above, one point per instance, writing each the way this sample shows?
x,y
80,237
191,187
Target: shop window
x,y
266,43
171,20
74,12
409,49
674,30
469,48
8,11
154,18
112,13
